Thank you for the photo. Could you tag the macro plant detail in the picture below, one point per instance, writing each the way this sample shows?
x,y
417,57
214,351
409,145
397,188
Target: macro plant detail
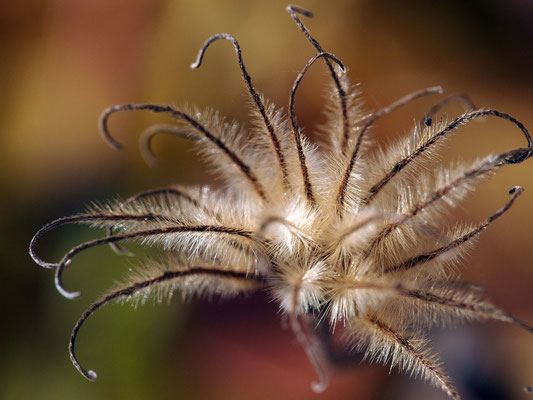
x,y
342,234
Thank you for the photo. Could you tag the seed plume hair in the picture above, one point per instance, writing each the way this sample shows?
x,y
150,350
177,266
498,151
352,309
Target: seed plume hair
x,y
341,235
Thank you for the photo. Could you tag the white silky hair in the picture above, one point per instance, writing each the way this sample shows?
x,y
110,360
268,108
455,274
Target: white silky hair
x,y
344,232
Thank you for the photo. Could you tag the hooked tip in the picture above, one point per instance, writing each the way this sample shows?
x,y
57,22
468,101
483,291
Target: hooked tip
x,y
299,10
67,294
109,140
519,155
34,256
152,162
114,144
319,387
91,375
522,324
341,66
59,284
104,131
41,263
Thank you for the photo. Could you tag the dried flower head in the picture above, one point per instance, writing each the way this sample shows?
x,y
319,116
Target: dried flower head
x,y
343,234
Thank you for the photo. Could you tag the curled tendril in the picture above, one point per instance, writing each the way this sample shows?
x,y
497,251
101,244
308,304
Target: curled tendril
x,y
293,11
369,122
426,257
516,157
129,291
253,94
180,115
296,129
139,235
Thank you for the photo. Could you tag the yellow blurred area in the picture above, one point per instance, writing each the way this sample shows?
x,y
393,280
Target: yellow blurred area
x,y
63,62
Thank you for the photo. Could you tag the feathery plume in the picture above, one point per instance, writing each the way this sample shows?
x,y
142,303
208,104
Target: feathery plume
x,y
340,235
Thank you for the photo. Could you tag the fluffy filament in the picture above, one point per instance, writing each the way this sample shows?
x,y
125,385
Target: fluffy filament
x,y
360,225
373,118
426,257
131,290
136,235
279,220
427,367
454,125
458,303
293,10
81,218
483,311
482,168
253,94
296,128
180,115
154,192
314,265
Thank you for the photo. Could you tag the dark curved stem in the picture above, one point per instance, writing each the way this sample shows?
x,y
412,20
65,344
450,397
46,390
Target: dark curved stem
x,y
245,169
427,257
135,235
83,218
131,290
154,192
370,121
433,369
296,128
483,168
454,125
293,10
253,94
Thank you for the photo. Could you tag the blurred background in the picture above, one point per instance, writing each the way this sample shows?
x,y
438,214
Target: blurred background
x,y
63,62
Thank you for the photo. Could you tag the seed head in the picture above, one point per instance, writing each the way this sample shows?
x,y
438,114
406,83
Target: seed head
x,y
344,234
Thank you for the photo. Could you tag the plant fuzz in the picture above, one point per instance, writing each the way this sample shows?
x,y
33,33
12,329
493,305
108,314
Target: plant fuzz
x,y
342,235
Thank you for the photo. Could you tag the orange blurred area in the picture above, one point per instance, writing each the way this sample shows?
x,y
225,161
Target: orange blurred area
x,y
64,62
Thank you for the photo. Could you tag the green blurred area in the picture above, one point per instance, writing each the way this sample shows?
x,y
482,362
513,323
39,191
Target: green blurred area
x,y
63,62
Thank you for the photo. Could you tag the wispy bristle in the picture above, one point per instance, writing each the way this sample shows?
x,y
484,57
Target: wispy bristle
x,y
352,234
